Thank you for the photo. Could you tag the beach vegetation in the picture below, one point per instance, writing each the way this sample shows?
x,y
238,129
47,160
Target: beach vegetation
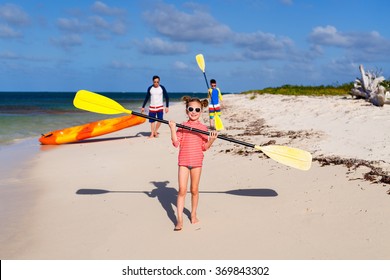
x,y
330,90
386,84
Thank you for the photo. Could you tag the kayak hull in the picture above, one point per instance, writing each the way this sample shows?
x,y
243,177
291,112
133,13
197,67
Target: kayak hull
x,y
89,130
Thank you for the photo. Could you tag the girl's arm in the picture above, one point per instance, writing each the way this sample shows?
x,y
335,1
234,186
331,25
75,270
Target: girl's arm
x,y
172,126
212,137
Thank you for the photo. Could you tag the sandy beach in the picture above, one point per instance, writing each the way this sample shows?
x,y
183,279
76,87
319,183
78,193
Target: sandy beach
x,y
113,197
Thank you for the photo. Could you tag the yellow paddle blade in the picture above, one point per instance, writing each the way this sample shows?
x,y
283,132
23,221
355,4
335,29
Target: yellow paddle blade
x,y
93,102
292,157
218,123
200,61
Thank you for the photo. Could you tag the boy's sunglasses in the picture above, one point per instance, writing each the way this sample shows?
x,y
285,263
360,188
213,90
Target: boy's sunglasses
x,y
190,109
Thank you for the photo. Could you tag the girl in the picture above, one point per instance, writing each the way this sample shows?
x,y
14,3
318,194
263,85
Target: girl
x,y
192,145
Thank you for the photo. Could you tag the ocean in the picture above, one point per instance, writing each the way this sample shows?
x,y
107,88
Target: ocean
x,y
26,115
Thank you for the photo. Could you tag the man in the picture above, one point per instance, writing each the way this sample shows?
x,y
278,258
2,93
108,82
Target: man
x,y
156,94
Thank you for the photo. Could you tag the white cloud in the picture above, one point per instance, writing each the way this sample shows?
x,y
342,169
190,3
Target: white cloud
x,y
101,8
157,46
12,18
359,46
261,40
180,26
67,41
9,55
71,25
13,15
119,28
120,65
200,26
329,35
260,45
8,32
101,24
179,65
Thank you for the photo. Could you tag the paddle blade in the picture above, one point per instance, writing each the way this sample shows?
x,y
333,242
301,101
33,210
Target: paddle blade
x,y
200,61
93,102
292,157
218,123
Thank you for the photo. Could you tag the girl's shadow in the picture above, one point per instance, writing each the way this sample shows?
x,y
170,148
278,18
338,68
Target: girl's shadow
x,y
167,198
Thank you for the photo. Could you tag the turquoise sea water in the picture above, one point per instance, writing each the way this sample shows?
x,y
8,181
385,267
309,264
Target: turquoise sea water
x,y
29,114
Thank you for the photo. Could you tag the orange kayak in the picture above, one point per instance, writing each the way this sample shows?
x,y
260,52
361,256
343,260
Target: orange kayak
x,y
93,129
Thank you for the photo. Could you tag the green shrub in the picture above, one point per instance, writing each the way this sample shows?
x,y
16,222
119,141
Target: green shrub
x,y
386,84
304,90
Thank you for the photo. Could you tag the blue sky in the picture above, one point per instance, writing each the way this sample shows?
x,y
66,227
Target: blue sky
x,y
118,45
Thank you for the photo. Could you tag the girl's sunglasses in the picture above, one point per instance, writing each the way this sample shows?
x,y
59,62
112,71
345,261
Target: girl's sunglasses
x,y
190,109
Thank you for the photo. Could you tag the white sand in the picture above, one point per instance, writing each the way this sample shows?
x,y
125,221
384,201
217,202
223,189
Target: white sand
x,y
115,198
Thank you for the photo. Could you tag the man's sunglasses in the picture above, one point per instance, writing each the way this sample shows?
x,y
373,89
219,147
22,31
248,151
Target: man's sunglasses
x,y
190,109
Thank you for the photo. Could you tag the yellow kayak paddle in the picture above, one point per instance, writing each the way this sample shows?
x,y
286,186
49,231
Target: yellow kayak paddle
x,y
202,66
93,102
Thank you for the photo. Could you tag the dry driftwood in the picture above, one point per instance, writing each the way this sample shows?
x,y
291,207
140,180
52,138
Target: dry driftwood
x,y
369,87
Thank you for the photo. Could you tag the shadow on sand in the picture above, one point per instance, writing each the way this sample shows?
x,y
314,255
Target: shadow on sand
x,y
168,196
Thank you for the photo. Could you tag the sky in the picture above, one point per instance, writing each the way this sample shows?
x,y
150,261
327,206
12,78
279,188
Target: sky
x,y
118,45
